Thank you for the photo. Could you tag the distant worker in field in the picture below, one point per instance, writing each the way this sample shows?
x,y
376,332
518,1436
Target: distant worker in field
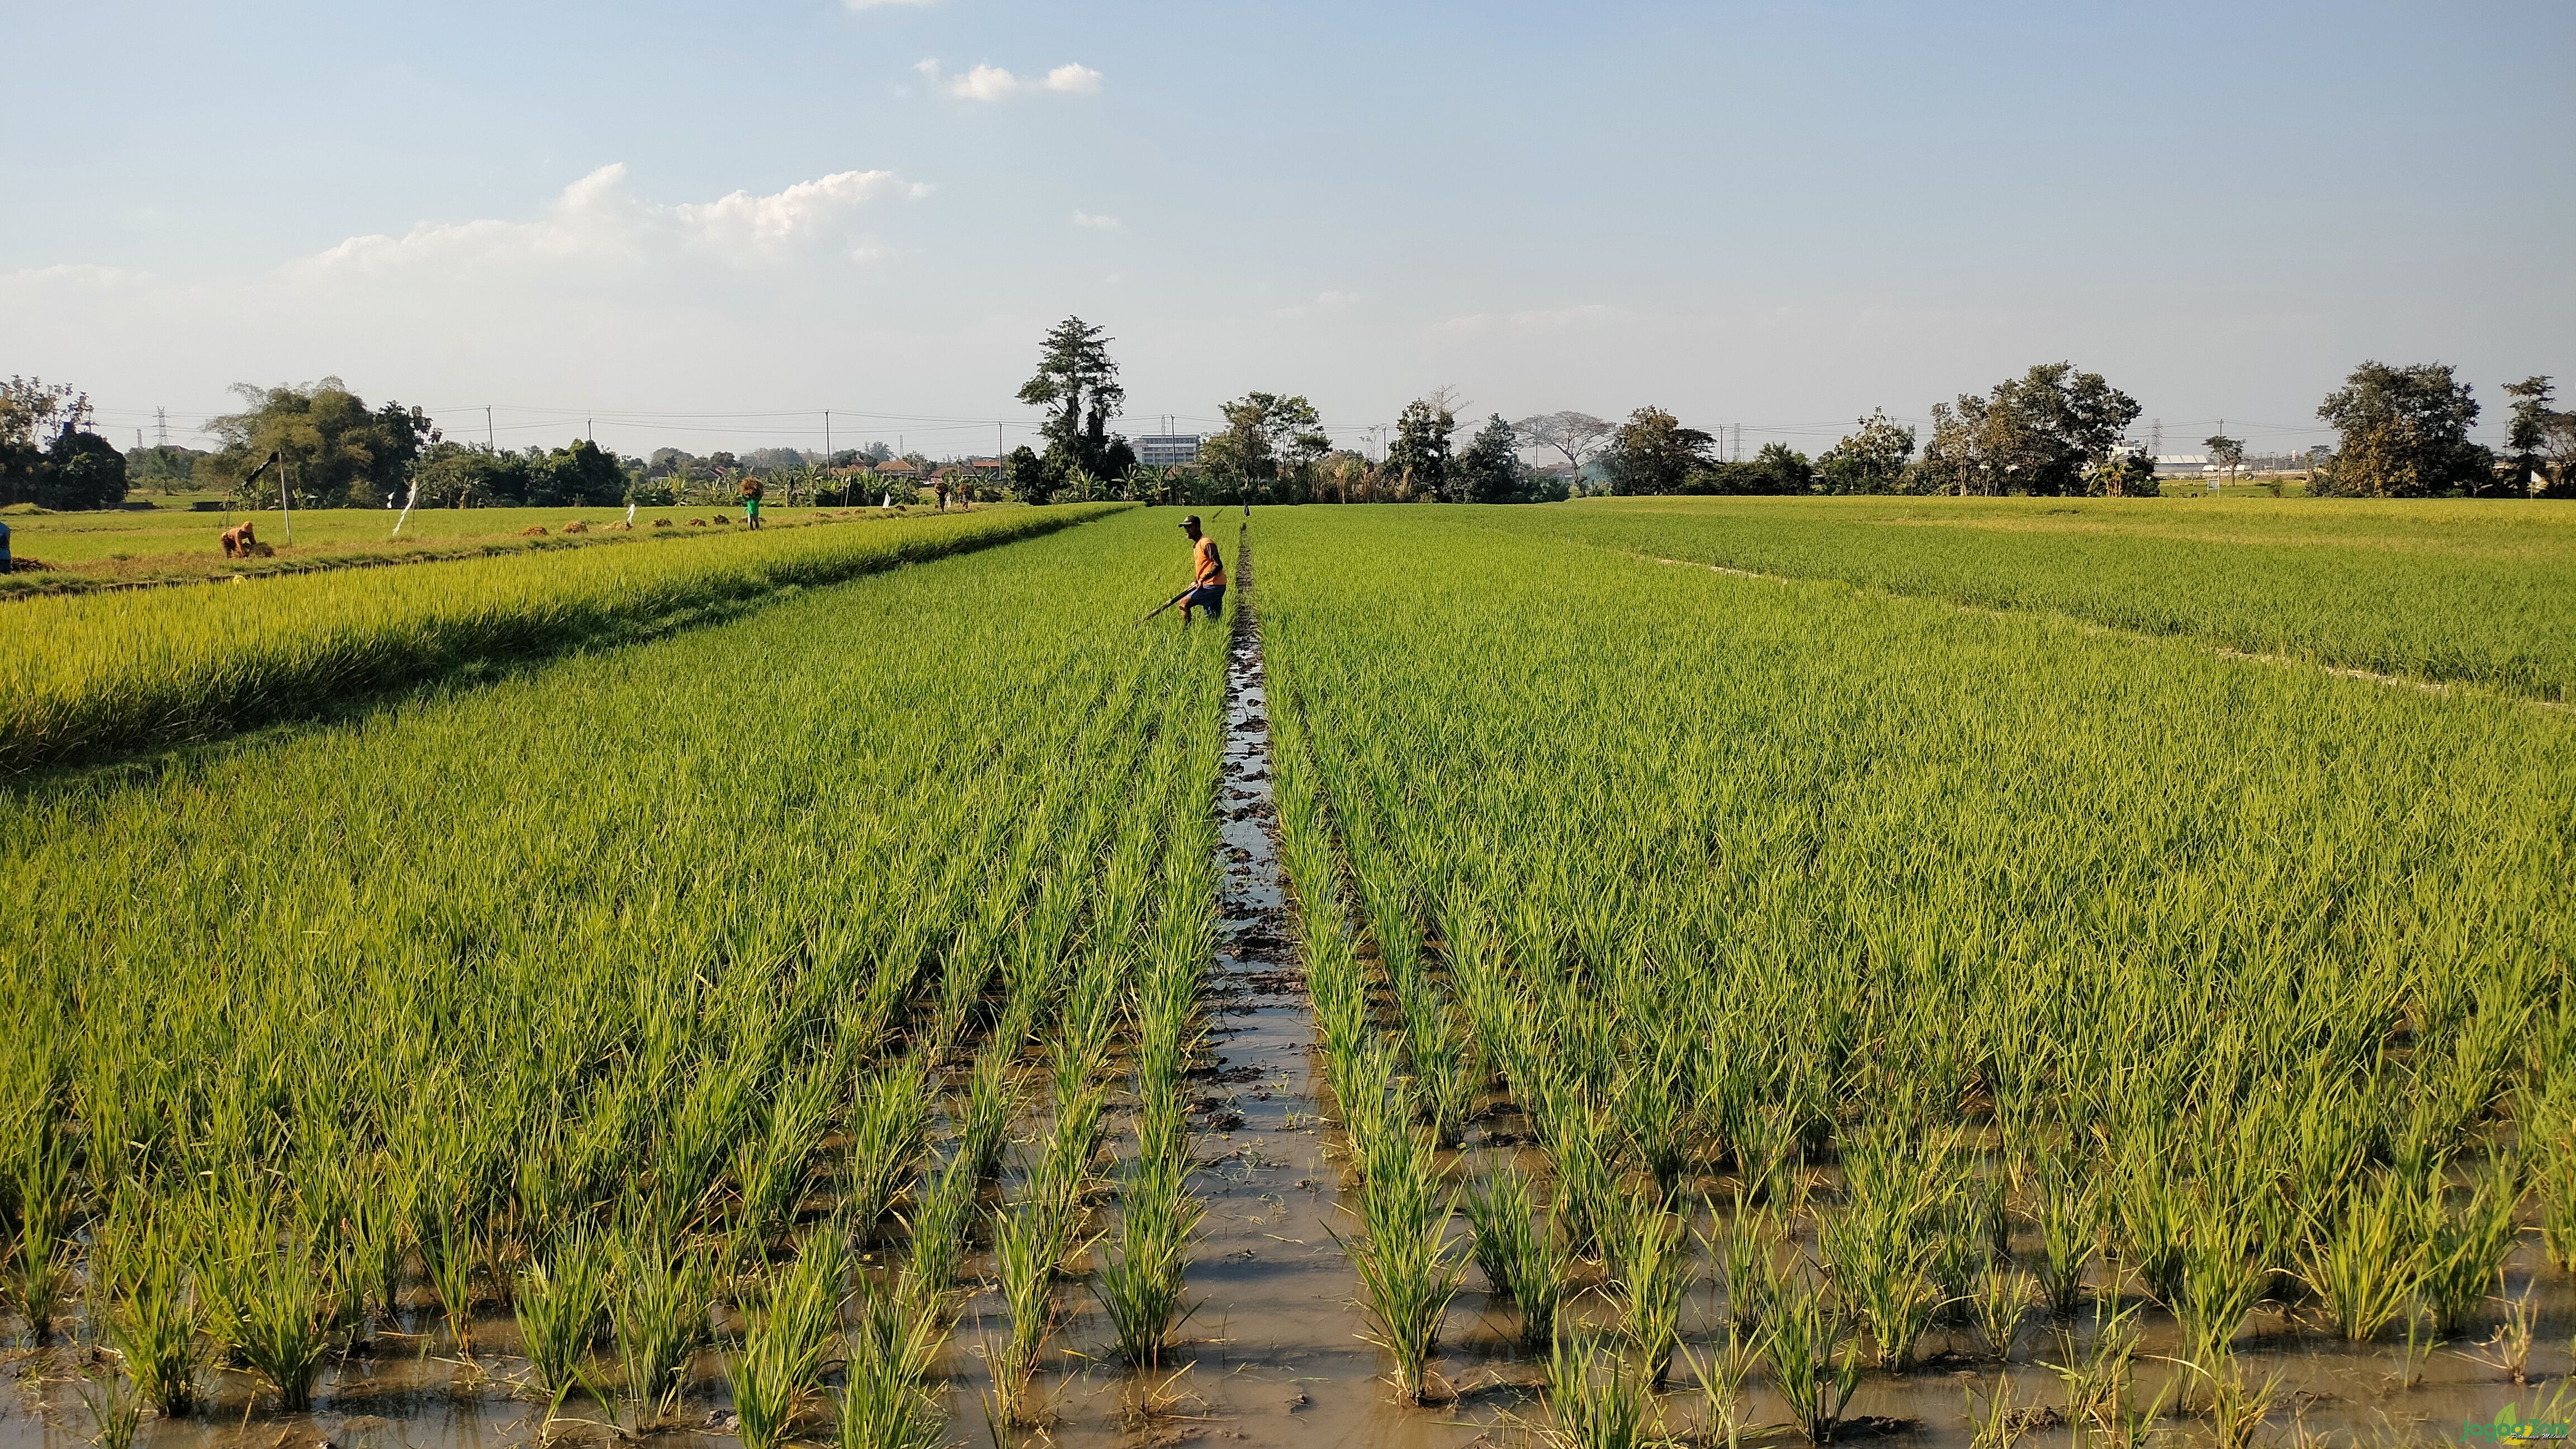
x,y
1208,589
751,500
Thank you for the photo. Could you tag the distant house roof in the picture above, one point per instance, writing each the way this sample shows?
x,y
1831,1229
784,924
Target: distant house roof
x,y
986,465
900,468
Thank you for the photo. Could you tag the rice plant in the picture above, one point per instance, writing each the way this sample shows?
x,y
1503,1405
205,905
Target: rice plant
x,y
1655,1273
115,1409
2466,1243
657,1305
270,1305
1139,1283
1499,1221
1814,1353
777,1374
2099,1375
1597,1400
562,1304
151,1321
888,1132
2366,1266
1409,1268
1721,1377
2003,1293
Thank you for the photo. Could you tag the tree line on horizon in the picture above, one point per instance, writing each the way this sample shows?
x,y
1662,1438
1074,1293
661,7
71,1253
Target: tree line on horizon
x,y
2053,431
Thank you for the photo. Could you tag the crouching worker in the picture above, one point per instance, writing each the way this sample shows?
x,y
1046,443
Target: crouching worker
x,y
1208,592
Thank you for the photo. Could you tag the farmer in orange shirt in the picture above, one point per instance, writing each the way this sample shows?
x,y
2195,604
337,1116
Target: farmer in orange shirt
x,y
1209,590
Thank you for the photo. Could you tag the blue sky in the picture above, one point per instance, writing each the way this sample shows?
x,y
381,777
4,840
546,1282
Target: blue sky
x,y
709,223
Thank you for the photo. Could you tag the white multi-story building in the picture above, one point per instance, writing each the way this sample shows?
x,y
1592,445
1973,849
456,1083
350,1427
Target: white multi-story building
x,y
1168,450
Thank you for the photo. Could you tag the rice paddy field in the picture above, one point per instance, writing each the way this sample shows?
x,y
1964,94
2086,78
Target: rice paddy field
x,y
72,553
1911,981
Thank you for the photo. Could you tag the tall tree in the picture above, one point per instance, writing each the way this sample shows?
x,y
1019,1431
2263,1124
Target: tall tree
x,y
2405,434
1653,453
2542,438
1077,382
338,453
2228,453
1269,439
1420,456
1574,436
75,468
1491,470
2048,431
1872,460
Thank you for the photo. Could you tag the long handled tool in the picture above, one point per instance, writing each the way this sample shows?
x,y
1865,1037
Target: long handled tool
x,y
1167,603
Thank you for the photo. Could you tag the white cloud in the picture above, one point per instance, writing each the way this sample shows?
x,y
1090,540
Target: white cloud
x,y
598,225
1074,80
992,83
1097,223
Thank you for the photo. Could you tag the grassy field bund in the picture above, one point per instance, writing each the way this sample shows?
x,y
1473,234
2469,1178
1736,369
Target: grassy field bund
x,y
85,676
1915,978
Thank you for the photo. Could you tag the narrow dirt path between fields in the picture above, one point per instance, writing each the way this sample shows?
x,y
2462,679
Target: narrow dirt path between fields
x,y
2089,626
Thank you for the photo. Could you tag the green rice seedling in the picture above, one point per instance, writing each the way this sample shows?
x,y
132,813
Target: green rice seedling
x,y
1025,1253
449,1257
2003,1293
151,1323
1587,1186
1721,1377
1814,1354
883,1403
270,1306
561,1304
2097,1378
1748,1255
1596,1400
1409,1271
1885,1272
939,1227
2222,1280
2238,1402
2068,1223
1656,1272
764,1378
1992,1421
1500,1219
772,1168
658,1307
1139,1285
2366,1266
115,1409
889,1130
1541,1270
380,1216
779,1369
990,1099
2466,1245
39,1279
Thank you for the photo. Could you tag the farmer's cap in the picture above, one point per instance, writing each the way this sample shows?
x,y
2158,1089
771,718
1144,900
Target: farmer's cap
x,y
1190,522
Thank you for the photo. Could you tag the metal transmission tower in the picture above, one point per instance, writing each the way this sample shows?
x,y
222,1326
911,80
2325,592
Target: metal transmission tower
x,y
161,427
